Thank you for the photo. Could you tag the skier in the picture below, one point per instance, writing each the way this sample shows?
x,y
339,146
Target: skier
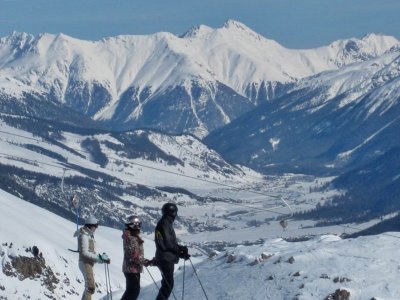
x,y
168,251
134,259
88,256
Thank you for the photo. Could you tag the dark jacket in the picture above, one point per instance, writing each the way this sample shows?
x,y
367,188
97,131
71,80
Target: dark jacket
x,y
167,249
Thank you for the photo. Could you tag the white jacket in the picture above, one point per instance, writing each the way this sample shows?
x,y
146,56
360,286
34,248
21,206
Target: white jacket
x,y
86,245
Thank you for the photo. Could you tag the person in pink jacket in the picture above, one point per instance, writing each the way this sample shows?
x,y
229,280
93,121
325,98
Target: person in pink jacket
x,y
134,259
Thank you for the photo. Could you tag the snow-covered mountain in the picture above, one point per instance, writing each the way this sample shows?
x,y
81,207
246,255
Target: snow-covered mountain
x,y
191,83
344,122
332,121
364,267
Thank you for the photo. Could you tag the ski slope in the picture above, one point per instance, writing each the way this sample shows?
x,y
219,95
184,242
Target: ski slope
x,y
366,267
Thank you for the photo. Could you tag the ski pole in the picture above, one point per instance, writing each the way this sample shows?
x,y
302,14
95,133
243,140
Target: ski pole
x,y
183,281
108,282
194,269
152,278
105,272
75,203
77,217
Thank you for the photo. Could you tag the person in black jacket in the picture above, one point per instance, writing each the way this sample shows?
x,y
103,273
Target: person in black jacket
x,y
168,251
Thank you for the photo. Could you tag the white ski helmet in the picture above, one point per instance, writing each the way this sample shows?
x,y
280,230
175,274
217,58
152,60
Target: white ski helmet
x,y
91,220
133,222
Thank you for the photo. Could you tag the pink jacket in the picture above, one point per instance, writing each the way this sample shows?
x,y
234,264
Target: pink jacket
x,y
133,253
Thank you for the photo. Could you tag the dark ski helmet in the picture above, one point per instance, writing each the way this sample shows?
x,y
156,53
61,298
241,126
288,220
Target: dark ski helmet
x,y
169,209
133,222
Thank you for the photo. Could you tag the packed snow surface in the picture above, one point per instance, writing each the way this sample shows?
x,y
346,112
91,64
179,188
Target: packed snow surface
x,y
366,267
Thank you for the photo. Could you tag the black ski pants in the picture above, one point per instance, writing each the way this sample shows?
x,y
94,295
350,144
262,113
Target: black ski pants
x,y
132,286
167,282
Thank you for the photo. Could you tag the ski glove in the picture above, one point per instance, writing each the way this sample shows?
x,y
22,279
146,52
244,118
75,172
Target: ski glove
x,y
184,252
149,263
103,258
183,249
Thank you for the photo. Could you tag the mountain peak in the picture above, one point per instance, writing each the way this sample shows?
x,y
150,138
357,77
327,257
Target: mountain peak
x,y
239,28
16,37
233,24
374,36
195,31
236,25
380,42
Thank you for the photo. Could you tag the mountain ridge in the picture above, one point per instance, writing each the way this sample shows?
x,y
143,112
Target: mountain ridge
x,y
128,74
329,119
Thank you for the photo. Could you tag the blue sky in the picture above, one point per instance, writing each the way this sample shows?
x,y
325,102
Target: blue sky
x,y
293,23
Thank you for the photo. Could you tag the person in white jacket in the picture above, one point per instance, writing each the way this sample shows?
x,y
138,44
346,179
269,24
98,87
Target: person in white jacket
x,y
88,256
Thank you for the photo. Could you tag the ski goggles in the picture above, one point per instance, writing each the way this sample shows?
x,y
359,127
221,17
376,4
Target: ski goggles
x,y
135,224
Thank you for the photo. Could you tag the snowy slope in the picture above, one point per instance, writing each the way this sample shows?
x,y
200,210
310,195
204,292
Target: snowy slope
x,y
274,269
191,83
26,225
366,267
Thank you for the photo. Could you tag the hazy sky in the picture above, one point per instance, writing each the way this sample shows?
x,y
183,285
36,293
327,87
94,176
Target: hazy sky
x,y
293,23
